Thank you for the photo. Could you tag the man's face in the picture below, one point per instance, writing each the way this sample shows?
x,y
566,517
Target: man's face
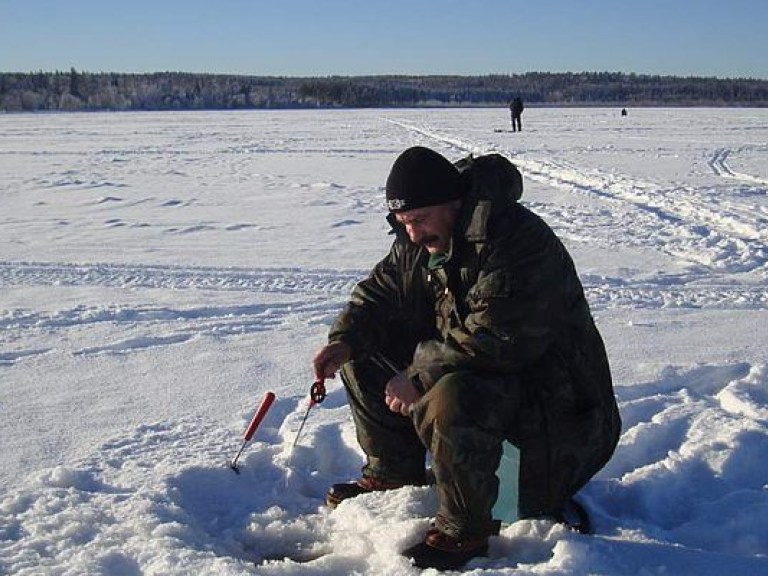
x,y
430,226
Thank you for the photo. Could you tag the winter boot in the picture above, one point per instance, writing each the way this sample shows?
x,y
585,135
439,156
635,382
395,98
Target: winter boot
x,y
444,552
339,492
366,484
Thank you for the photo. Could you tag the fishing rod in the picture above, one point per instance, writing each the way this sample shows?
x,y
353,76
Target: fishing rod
x,y
316,396
317,391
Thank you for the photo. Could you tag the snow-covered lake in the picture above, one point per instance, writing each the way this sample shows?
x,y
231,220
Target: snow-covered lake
x,y
160,272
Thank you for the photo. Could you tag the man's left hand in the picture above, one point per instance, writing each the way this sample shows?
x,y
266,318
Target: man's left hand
x,y
400,393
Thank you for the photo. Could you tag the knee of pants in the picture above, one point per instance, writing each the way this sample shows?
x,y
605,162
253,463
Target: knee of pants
x,y
466,399
446,400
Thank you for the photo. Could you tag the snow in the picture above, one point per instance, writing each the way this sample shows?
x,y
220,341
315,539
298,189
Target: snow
x,y
160,272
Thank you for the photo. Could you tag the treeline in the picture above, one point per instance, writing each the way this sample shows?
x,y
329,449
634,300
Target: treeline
x,y
76,91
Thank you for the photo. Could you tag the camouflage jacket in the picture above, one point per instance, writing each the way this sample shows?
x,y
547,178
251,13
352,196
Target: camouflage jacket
x,y
506,299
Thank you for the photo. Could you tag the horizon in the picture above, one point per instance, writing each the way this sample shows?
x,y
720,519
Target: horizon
x,y
306,39
394,75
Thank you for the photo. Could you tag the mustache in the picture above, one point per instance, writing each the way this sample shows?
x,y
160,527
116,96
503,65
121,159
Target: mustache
x,y
428,240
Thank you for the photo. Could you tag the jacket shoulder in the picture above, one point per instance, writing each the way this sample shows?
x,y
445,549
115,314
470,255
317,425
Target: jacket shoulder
x,y
490,177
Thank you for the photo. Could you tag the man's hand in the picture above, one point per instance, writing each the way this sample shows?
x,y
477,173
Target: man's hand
x,y
329,359
400,393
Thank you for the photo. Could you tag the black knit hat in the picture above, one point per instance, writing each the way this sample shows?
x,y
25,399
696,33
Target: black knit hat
x,y
421,177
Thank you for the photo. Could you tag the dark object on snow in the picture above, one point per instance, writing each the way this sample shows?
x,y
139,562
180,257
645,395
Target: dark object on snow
x,y
575,516
443,552
516,110
339,492
572,515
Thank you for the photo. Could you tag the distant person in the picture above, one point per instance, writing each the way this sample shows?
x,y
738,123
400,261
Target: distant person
x,y
623,111
516,109
479,307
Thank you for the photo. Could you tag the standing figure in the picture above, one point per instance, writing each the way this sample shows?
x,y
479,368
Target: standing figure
x,y
474,329
516,110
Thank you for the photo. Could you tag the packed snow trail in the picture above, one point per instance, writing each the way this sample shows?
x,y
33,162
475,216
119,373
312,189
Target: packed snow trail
x,y
720,165
692,225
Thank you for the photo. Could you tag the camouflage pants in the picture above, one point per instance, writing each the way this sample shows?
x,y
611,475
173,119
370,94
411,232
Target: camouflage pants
x,y
462,421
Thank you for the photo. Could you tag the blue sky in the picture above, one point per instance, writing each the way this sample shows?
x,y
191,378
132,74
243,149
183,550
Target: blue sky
x,y
355,37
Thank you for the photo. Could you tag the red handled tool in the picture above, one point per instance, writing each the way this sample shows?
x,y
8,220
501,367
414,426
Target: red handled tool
x,y
316,396
266,403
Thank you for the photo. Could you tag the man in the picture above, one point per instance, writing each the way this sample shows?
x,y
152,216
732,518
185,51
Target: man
x,y
516,111
472,330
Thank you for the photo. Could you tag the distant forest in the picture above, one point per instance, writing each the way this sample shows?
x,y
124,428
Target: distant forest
x,y
84,91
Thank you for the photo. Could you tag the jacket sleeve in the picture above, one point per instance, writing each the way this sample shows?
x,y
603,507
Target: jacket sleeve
x,y
363,322
525,291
